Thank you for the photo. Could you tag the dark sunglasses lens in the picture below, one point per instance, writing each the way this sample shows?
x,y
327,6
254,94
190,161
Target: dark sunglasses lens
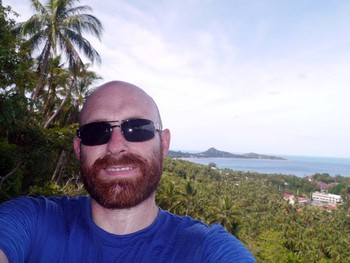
x,y
95,133
138,130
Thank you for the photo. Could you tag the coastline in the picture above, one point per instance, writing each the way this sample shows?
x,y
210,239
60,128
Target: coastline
x,y
300,166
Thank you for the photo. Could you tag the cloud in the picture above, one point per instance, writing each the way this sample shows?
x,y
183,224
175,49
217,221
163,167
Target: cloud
x,y
240,76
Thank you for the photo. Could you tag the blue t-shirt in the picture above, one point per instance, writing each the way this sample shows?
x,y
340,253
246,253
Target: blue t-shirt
x,y
62,230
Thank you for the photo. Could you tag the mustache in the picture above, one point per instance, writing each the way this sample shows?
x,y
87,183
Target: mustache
x,y
125,159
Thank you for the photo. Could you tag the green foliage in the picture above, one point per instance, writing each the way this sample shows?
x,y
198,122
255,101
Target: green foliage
x,y
11,172
53,27
338,188
251,207
61,138
36,134
8,57
14,112
52,189
47,189
211,164
15,60
272,248
29,150
324,177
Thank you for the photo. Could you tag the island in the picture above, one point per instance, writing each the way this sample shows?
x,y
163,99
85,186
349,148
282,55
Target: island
x,y
214,153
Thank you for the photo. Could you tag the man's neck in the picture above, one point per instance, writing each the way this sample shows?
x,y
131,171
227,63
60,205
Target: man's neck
x,y
125,221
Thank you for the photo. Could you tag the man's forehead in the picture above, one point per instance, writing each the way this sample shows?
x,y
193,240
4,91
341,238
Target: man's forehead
x,y
119,89
119,98
124,96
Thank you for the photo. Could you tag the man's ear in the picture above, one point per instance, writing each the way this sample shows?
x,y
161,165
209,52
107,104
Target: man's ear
x,y
165,137
76,144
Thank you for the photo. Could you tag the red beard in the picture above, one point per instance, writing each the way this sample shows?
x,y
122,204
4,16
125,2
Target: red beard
x,y
122,193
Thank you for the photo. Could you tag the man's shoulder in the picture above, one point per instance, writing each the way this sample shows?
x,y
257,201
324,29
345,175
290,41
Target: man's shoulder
x,y
182,221
44,203
43,224
185,222
210,242
190,228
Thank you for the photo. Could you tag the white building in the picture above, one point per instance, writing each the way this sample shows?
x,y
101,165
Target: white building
x,y
289,198
326,198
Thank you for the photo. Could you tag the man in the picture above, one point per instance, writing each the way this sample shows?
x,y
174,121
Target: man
x,y
120,144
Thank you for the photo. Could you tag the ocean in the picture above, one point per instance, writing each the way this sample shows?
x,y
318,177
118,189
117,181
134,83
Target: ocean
x,y
293,165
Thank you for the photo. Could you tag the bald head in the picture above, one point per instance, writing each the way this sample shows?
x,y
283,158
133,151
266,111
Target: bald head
x,y
118,100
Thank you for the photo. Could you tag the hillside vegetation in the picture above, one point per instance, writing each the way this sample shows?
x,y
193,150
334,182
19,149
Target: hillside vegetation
x,y
251,206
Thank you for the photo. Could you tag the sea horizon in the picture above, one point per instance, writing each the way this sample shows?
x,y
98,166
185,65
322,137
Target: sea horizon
x,y
283,155
297,165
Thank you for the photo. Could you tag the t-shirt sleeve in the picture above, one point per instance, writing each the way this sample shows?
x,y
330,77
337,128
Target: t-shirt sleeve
x,y
221,246
17,225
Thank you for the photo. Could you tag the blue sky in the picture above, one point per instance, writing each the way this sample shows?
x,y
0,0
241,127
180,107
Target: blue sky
x,y
269,77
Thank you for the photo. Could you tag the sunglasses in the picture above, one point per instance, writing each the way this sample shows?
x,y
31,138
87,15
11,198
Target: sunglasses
x,y
134,130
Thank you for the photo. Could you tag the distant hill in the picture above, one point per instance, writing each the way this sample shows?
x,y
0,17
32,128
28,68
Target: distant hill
x,y
214,153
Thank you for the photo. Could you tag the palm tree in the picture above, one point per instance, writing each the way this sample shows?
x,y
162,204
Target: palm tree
x,y
74,89
67,112
227,213
168,196
57,26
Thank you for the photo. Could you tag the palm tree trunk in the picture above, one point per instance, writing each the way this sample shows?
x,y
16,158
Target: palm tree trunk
x,y
58,110
43,69
3,178
57,175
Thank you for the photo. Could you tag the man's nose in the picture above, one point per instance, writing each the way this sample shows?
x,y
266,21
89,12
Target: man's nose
x,y
117,144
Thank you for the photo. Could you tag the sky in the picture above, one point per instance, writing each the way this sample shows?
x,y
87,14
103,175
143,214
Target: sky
x,y
270,77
